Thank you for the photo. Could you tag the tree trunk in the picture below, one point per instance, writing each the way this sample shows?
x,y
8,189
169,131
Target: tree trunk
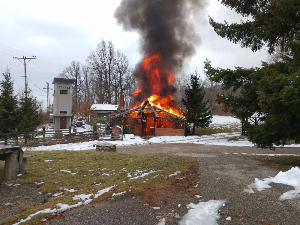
x,y
194,128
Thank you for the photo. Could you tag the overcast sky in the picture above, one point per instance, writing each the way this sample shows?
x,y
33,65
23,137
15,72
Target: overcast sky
x,y
58,32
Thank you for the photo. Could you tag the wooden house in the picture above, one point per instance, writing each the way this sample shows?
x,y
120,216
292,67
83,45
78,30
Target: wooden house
x,y
150,120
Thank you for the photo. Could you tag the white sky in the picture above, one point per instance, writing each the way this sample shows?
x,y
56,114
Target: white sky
x,y
58,32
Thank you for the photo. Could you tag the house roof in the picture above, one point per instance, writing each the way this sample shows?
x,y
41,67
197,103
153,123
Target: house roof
x,y
63,80
154,109
104,107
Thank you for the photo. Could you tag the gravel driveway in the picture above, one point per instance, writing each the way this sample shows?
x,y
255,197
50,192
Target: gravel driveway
x,y
224,174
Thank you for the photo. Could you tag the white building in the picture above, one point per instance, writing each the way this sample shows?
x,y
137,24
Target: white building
x,y
62,105
103,110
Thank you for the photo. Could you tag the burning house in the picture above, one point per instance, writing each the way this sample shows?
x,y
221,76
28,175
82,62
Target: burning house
x,y
151,120
167,40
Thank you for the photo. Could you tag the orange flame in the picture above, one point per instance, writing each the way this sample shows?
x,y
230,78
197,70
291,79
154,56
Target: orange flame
x,y
158,79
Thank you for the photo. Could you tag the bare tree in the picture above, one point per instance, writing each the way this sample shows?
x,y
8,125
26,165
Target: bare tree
x,y
109,72
86,78
130,84
96,64
74,72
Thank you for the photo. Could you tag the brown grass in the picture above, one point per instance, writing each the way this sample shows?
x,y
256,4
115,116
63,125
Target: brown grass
x,y
283,163
109,169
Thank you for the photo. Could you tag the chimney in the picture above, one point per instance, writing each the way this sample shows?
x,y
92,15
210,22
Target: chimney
x,y
122,103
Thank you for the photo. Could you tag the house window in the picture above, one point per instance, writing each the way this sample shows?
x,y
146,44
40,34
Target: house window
x,y
64,92
63,112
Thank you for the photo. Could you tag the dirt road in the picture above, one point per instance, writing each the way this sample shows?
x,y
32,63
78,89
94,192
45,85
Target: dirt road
x,y
224,174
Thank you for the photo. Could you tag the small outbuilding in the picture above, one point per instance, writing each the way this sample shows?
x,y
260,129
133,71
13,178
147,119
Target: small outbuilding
x,y
62,104
104,109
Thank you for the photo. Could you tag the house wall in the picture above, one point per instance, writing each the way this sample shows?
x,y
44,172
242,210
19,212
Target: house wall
x,y
169,132
56,122
62,102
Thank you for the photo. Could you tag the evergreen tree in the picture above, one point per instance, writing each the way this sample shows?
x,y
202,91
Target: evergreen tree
x,y
196,109
30,116
273,90
8,108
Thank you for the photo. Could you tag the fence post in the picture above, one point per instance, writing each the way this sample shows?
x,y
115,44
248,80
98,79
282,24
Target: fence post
x,y
44,134
70,130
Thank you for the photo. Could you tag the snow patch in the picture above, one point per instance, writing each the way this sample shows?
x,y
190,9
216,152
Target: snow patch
x,y
220,120
162,221
82,197
174,174
203,213
103,191
68,190
228,218
118,194
64,207
143,175
290,177
57,194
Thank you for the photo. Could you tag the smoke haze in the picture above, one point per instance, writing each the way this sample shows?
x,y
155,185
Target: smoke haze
x,y
165,30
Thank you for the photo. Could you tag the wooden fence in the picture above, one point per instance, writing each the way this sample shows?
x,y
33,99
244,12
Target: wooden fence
x,y
50,137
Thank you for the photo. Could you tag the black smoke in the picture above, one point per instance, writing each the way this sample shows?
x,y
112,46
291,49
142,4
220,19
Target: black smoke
x,y
165,29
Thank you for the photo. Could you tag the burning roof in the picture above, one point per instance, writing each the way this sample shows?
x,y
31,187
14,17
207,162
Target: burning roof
x,y
151,109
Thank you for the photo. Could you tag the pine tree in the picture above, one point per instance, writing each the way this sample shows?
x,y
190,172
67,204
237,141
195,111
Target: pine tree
x,y
30,116
196,109
8,108
274,89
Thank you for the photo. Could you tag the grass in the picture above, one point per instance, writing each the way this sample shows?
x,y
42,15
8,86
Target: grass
x,y
216,129
283,163
89,168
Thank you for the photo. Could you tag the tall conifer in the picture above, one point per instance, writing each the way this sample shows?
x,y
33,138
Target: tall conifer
x,y
196,109
8,108
272,91
30,116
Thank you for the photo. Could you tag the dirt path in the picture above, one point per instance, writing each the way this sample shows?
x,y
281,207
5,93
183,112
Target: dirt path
x,y
224,175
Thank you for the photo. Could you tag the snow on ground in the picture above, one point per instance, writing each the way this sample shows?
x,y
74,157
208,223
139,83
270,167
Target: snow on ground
x,y
118,194
291,177
174,174
220,139
83,128
130,140
64,207
203,213
220,120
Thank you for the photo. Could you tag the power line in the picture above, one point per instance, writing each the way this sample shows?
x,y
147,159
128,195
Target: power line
x,y
13,52
46,67
41,70
36,85
6,53
16,51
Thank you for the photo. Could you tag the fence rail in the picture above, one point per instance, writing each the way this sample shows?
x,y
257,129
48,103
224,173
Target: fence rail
x,y
50,137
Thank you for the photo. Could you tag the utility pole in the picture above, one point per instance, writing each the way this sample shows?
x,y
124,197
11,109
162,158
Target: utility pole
x,y
48,102
24,60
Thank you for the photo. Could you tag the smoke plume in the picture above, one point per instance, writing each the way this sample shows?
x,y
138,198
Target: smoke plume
x,y
165,31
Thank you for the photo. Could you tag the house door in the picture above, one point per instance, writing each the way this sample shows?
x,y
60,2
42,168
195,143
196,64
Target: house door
x,y
63,122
